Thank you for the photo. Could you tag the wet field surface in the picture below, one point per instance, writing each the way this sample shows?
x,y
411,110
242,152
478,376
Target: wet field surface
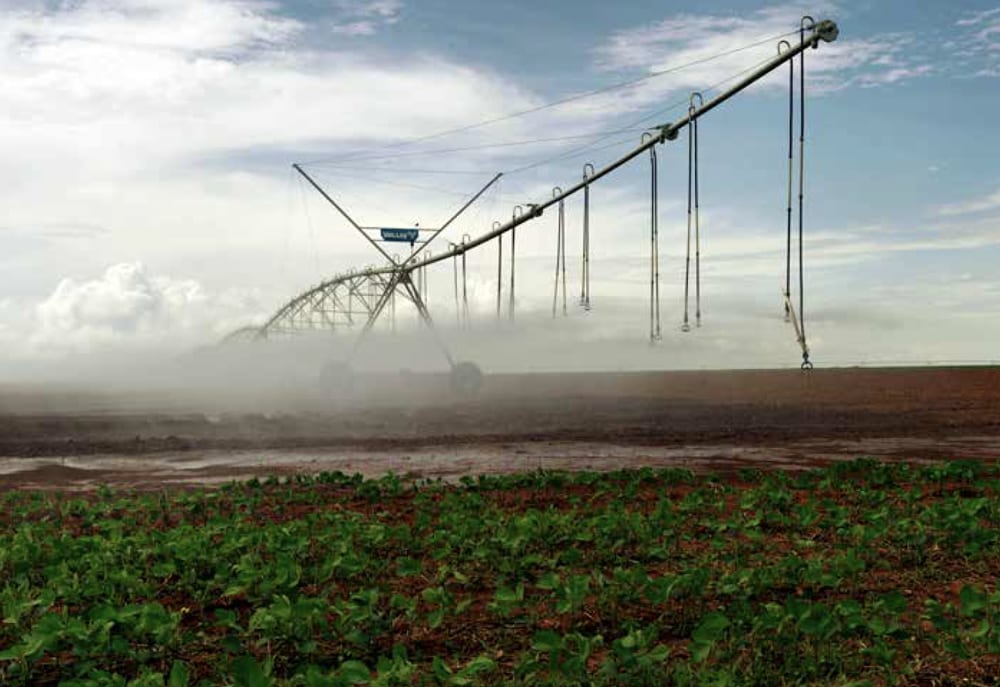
x,y
718,421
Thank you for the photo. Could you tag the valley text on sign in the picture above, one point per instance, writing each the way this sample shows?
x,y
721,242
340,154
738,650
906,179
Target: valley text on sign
x,y
402,235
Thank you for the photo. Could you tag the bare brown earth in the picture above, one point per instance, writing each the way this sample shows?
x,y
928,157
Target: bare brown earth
x,y
718,420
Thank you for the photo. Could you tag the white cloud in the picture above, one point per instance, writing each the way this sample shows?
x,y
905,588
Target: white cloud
x,y
978,42
385,9
129,113
365,17
693,38
990,201
190,26
895,74
355,28
128,307
984,25
979,18
134,85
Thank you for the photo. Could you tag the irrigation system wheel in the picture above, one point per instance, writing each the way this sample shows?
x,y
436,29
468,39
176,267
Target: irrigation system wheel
x,y
466,378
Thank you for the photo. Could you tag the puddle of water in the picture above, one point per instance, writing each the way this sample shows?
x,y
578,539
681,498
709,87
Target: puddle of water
x,y
208,468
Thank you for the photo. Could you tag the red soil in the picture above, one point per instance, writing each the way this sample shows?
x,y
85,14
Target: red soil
x,y
703,420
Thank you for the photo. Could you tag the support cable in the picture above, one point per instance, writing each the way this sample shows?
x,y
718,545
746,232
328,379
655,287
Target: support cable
x,y
347,174
588,172
631,127
578,96
412,170
478,146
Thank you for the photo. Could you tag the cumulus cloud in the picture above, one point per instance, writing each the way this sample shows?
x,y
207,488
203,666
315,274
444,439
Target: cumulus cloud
x,y
141,116
191,26
129,307
125,86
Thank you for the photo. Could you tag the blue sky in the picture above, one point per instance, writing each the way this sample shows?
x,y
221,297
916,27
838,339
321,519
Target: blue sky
x,y
149,201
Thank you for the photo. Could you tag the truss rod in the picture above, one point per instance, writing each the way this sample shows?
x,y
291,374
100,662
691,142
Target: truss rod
x,y
825,31
425,315
455,216
341,210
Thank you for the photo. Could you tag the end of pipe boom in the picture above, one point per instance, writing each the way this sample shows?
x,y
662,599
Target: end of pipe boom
x,y
827,30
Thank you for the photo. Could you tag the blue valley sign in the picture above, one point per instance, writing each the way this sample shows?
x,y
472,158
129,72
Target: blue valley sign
x,y
400,235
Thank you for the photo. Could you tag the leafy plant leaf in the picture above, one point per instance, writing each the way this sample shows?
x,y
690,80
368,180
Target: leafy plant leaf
x,y
246,672
711,628
354,673
179,675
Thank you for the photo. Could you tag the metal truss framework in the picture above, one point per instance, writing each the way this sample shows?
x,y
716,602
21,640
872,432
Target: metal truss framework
x,y
364,295
341,302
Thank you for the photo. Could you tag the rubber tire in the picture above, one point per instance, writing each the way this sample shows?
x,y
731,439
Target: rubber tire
x,y
466,379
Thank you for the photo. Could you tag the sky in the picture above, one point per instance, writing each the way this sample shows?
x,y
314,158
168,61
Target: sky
x,y
149,202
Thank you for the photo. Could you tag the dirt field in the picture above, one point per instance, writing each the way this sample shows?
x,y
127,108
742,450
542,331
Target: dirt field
x,y
703,420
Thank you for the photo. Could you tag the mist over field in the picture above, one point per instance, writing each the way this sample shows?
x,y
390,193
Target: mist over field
x,y
131,328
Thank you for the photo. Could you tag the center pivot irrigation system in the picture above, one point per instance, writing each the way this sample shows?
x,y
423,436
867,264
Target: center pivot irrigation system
x,y
367,294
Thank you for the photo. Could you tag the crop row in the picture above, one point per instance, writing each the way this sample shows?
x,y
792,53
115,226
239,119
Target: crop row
x,y
860,572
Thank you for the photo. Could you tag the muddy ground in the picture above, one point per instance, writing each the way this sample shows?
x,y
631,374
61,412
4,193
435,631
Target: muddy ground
x,y
724,420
